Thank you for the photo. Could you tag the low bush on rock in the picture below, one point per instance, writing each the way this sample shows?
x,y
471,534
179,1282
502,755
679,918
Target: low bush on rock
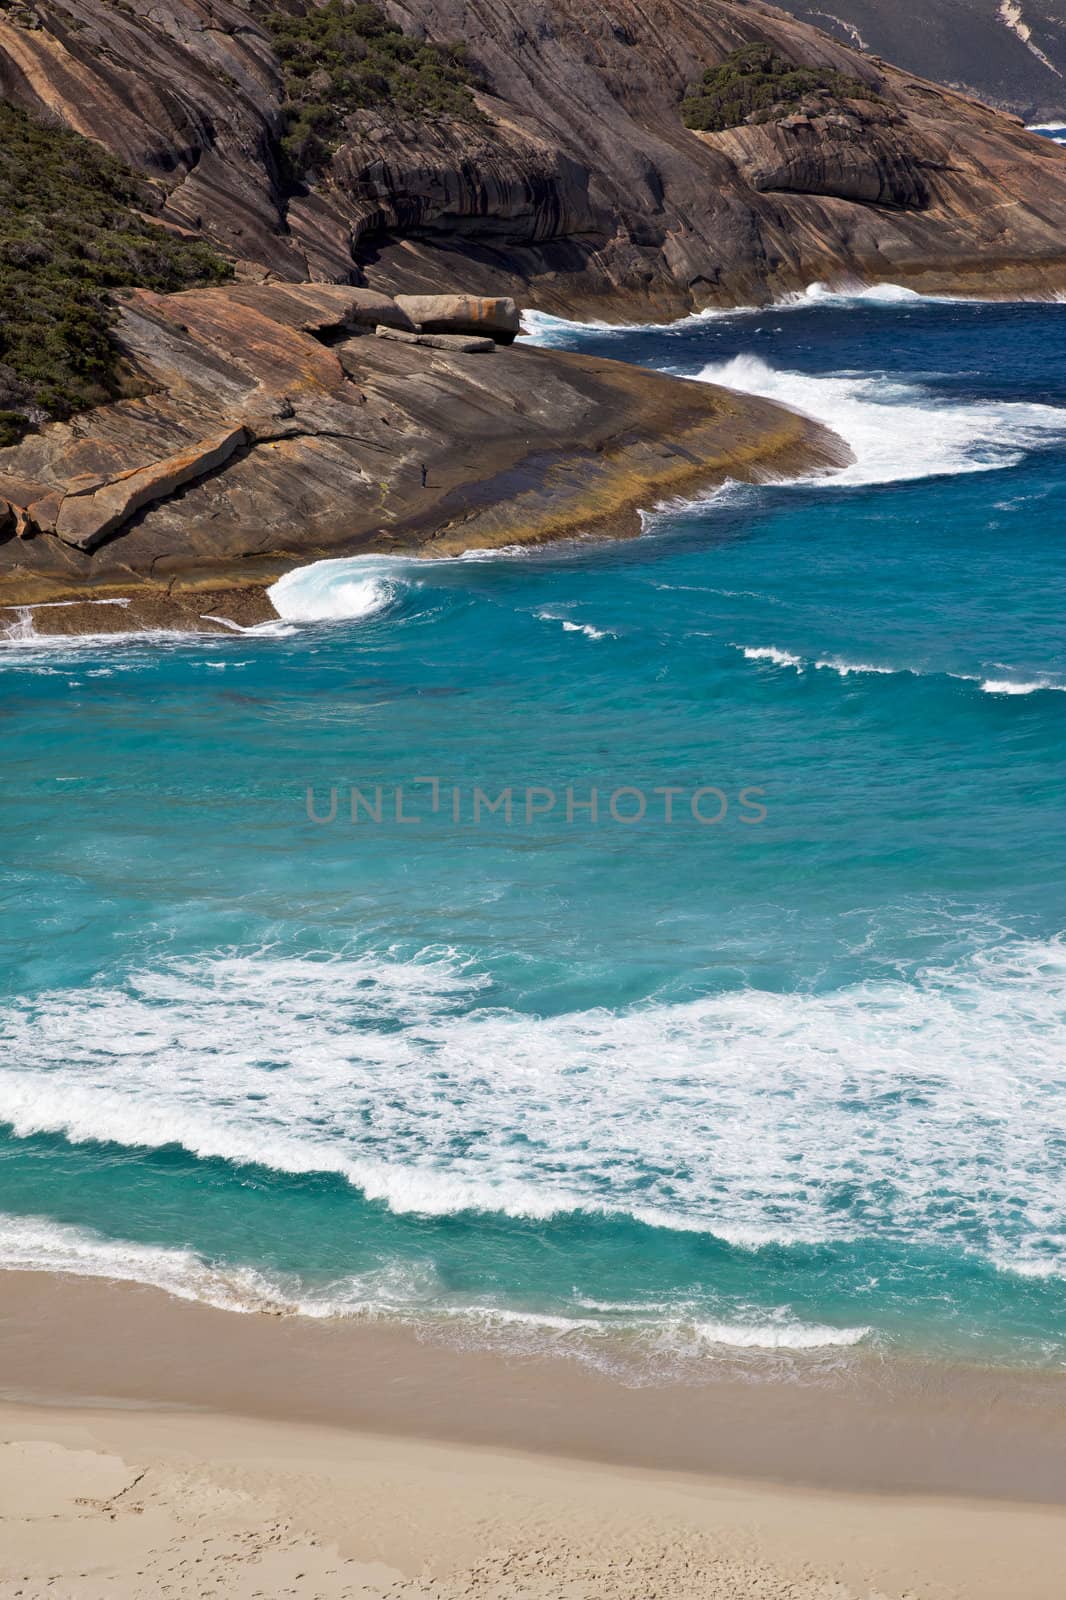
x,y
756,84
341,57
70,232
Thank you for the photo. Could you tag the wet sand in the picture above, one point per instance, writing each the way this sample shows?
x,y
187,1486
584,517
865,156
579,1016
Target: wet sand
x,y
374,1462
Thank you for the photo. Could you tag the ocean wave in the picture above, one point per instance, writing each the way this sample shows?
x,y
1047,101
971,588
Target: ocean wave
x,y
843,668
846,669
349,589
749,1115
545,329
408,1292
899,431
37,1244
359,588
1014,686
569,626
1032,1266
774,656
878,294
770,652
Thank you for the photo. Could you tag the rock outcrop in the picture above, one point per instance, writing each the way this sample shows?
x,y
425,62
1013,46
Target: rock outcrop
x,y
265,425
258,445
580,180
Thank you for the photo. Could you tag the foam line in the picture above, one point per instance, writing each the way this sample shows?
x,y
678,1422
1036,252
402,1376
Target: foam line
x,y
740,1114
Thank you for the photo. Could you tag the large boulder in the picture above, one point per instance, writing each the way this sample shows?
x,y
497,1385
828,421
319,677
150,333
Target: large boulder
x,y
494,316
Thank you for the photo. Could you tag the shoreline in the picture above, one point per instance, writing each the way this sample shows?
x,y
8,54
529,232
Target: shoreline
x,y
882,1425
647,437
1023,284
170,1449
524,446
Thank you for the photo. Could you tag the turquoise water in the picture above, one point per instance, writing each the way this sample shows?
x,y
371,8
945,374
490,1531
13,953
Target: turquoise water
x,y
662,1093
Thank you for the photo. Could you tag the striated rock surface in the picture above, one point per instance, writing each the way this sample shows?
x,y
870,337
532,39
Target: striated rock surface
x,y
857,153
258,447
329,401
582,181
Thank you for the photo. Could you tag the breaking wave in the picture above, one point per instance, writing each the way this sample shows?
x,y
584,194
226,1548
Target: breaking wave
x,y
898,431
350,588
543,328
772,655
745,1114
410,1291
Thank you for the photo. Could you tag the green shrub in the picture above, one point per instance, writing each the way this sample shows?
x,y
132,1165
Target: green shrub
x,y
343,57
758,84
69,232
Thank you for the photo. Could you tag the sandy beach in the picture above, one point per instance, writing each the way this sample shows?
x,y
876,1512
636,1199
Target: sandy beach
x,y
171,1449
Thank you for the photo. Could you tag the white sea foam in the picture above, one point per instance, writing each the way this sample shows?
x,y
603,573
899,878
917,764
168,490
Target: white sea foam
x,y
21,644
542,328
750,1115
787,658
899,431
403,1291
358,588
880,294
1032,1265
350,588
769,652
40,1245
570,626
766,1336
1014,686
26,650
262,630
847,669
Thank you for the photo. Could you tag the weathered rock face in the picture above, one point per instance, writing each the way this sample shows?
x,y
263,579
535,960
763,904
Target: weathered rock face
x,y
857,153
260,445
187,93
584,182
947,193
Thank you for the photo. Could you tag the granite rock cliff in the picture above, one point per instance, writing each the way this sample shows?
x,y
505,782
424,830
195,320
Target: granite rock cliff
x,y
579,180
273,429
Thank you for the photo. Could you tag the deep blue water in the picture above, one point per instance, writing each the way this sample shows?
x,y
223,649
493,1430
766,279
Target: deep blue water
x,y
792,1078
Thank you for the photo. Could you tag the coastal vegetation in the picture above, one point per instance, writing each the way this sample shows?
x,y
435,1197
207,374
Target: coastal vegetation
x,y
71,229
757,84
339,58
